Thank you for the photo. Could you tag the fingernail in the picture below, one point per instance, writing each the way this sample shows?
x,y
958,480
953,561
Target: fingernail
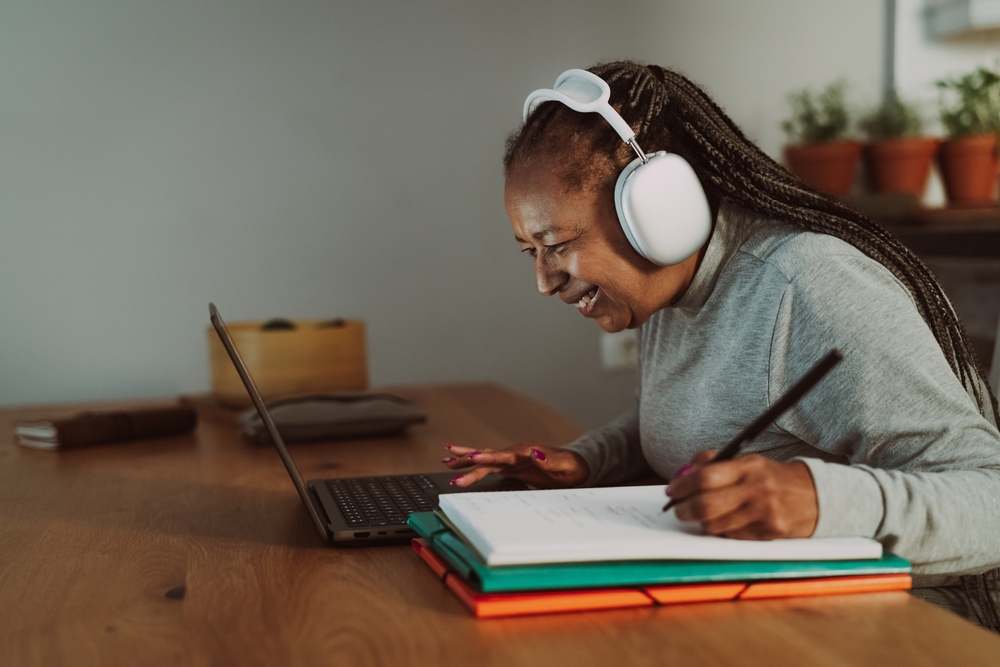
x,y
538,454
448,460
450,445
668,491
683,470
455,479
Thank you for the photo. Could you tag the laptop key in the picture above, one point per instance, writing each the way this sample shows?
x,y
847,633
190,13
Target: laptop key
x,y
381,501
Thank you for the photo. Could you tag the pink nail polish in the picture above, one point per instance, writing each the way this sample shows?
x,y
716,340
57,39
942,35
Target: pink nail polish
x,y
455,479
668,491
538,454
448,460
683,470
449,446
477,453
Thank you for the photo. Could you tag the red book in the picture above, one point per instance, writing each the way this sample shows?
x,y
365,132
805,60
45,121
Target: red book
x,y
497,605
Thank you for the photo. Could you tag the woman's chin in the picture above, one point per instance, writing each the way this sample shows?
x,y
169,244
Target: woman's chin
x,y
611,324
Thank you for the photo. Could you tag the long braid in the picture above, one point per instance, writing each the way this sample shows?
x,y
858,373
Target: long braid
x,y
767,188
670,112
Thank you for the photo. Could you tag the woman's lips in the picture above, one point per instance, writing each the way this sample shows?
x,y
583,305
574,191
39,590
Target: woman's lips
x,y
586,303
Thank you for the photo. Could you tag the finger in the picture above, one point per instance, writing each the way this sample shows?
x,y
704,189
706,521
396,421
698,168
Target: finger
x,y
702,457
738,522
560,467
455,462
551,461
707,478
459,450
714,506
728,514
502,457
497,460
751,531
465,460
472,476
469,459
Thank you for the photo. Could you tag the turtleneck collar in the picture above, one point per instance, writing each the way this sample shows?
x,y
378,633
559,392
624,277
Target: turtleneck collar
x,y
732,227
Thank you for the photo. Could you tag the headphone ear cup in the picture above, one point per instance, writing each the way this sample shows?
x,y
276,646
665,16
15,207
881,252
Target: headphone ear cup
x,y
663,209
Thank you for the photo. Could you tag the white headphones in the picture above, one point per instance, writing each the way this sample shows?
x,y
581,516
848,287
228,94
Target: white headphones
x,y
661,205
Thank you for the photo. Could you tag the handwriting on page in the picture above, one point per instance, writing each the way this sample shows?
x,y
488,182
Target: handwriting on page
x,y
613,523
585,511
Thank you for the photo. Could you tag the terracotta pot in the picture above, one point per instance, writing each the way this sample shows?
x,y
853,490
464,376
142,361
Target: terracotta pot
x,y
969,167
827,166
900,165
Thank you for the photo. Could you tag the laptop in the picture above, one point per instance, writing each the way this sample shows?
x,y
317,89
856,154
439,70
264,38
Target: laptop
x,y
358,511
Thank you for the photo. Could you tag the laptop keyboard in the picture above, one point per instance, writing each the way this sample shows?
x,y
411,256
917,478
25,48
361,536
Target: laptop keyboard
x,y
381,501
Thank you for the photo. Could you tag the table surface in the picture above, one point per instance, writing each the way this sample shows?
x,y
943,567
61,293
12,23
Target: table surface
x,y
196,550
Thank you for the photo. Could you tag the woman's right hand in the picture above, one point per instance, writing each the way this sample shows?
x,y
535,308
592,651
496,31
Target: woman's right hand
x,y
537,465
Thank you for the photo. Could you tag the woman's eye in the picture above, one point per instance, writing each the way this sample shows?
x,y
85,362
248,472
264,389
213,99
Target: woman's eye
x,y
557,248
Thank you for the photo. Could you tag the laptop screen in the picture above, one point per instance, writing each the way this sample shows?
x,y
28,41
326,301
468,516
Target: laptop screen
x,y
258,402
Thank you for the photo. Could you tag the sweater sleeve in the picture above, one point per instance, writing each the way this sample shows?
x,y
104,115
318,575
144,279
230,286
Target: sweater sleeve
x,y
924,473
613,452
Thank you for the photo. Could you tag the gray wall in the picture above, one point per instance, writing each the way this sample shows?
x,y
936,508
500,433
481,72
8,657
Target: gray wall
x,y
320,159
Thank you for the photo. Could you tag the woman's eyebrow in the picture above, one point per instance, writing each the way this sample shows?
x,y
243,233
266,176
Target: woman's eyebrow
x,y
538,236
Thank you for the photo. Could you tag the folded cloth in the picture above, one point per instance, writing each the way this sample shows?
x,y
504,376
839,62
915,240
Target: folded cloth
x,y
332,416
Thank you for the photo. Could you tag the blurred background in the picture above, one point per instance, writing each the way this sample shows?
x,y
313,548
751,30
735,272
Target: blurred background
x,y
310,159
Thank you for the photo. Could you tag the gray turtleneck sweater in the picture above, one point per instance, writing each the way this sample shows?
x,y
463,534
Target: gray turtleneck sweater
x,y
897,448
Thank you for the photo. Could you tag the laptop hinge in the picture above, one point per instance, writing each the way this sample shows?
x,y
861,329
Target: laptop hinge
x,y
315,493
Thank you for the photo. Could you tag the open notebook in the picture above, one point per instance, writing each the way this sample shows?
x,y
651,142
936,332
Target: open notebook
x,y
612,524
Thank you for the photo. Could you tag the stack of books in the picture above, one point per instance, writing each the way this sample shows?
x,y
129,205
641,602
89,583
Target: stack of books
x,y
531,552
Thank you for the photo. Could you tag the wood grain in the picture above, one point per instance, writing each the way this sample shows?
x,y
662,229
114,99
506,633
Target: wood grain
x,y
195,550
313,357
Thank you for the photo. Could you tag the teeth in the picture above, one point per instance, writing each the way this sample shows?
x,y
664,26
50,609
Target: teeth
x,y
586,298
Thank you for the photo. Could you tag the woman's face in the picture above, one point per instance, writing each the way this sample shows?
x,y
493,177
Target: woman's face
x,y
581,254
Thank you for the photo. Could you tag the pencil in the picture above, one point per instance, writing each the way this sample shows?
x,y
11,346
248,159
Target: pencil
x,y
787,400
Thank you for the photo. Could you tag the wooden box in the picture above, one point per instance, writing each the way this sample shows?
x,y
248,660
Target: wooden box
x,y
315,356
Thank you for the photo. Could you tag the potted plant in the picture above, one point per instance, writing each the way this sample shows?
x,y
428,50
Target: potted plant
x,y
897,157
970,113
819,153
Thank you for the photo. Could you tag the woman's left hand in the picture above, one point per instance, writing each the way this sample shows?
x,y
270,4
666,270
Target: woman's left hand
x,y
748,498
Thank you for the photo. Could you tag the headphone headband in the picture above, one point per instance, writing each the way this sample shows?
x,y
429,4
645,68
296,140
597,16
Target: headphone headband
x,y
584,92
660,203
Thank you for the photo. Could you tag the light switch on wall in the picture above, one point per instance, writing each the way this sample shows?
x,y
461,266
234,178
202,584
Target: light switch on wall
x,y
619,350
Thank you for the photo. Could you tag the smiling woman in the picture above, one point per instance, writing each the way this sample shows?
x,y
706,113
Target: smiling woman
x,y
581,254
898,444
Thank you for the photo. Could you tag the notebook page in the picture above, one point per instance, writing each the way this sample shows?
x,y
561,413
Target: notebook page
x,y
614,523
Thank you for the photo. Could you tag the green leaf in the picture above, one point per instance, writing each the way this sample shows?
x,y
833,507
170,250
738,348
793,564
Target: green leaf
x,y
970,104
818,118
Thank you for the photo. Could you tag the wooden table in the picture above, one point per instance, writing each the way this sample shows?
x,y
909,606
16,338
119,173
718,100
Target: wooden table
x,y
195,550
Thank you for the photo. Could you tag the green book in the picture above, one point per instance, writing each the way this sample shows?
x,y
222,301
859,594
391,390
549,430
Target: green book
x,y
470,565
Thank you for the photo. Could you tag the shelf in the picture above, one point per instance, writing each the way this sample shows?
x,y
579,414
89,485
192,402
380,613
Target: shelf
x,y
966,232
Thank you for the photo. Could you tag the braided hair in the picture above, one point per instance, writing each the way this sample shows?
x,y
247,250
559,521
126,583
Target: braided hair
x,y
669,112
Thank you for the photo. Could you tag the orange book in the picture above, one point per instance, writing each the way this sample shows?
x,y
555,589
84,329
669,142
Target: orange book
x,y
497,605
439,567
829,586
695,593
494,605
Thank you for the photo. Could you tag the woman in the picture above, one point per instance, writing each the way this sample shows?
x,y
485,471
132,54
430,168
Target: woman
x,y
899,443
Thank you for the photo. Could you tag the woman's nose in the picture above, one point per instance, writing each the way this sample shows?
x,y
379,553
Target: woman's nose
x,y
548,278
